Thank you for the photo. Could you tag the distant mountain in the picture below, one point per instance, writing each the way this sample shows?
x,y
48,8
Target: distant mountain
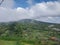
x,y
15,29
33,21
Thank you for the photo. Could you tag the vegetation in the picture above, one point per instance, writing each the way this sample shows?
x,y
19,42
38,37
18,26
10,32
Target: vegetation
x,y
29,32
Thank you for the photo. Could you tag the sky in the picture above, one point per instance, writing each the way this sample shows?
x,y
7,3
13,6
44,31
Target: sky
x,y
42,10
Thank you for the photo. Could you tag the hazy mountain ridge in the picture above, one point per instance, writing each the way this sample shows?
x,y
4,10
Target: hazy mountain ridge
x,y
28,23
29,30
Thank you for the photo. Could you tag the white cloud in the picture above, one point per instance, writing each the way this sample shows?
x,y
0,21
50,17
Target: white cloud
x,y
30,2
7,14
41,11
46,9
7,3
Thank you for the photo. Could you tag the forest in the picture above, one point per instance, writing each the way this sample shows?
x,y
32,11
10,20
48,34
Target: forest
x,y
29,32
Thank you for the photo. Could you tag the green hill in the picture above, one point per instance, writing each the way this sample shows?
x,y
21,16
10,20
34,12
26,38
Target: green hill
x,y
30,31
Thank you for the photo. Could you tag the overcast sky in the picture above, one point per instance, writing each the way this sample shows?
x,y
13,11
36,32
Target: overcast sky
x,y
42,10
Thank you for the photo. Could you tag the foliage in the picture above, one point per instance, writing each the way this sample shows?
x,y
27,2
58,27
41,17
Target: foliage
x,y
29,31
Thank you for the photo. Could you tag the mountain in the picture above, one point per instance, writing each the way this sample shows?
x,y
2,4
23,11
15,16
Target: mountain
x,y
34,21
26,27
41,23
29,30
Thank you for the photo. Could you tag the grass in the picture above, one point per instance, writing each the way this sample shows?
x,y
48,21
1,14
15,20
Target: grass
x,y
4,42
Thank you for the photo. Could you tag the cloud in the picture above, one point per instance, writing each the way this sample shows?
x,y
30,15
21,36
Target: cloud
x,y
30,2
7,3
45,11
7,14
50,19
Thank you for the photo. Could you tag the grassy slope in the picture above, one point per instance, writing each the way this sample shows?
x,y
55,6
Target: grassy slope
x,y
4,42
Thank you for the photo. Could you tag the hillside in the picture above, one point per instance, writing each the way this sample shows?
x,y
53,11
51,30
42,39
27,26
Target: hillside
x,y
30,31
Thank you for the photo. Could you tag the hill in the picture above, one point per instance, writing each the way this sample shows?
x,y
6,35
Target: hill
x,y
29,30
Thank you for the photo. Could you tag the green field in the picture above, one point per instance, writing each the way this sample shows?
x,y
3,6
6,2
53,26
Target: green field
x,y
4,42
